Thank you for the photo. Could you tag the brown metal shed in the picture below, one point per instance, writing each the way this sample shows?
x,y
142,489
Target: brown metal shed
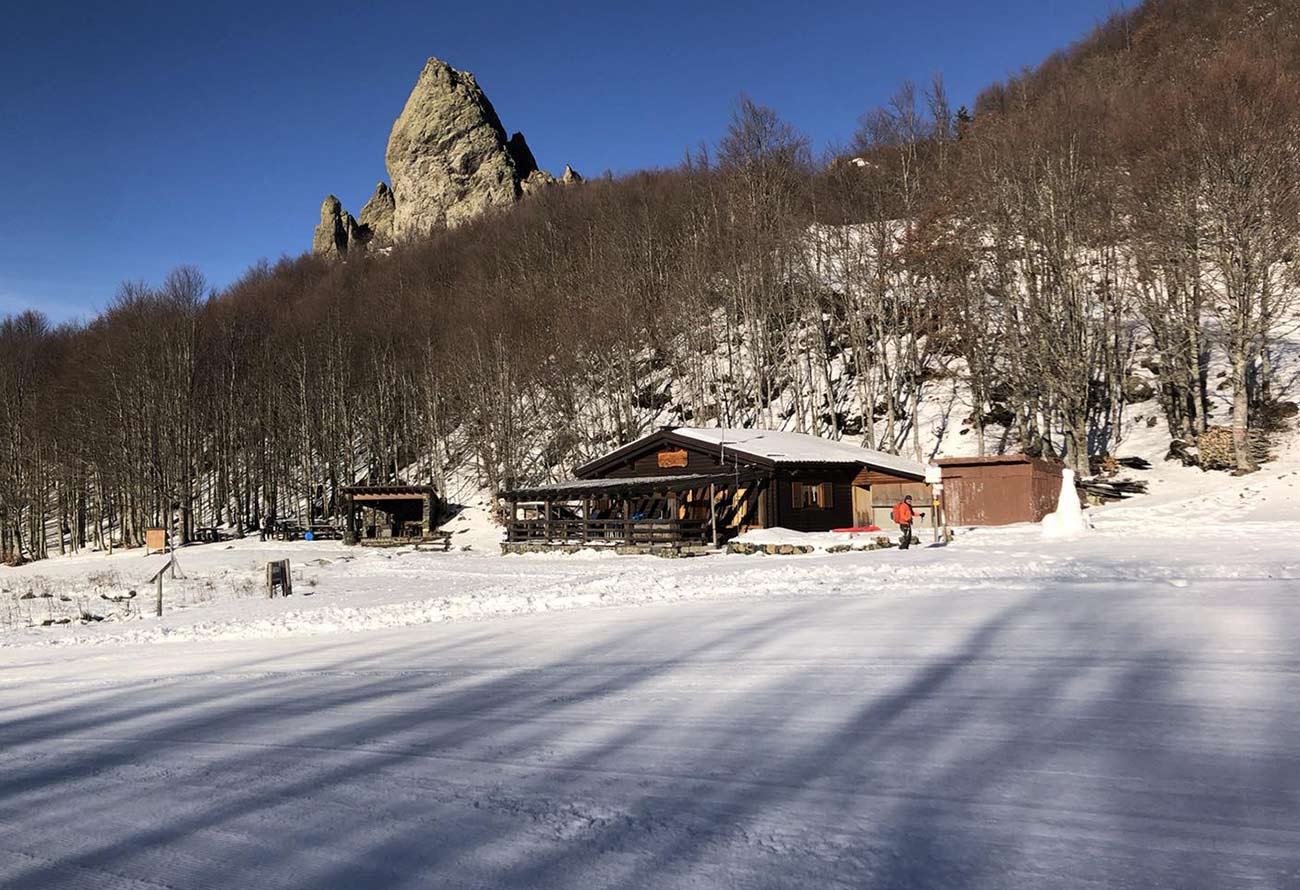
x,y
999,489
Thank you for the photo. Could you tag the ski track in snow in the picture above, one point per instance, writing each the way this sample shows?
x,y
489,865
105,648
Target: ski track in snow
x,y
1056,736
1117,711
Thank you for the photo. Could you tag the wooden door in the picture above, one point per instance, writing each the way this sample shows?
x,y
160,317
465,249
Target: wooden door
x,y
861,506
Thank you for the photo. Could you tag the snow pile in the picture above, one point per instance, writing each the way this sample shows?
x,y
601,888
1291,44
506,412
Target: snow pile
x,y
1068,521
818,541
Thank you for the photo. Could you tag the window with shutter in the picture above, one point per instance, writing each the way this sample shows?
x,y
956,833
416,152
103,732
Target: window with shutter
x,y
811,497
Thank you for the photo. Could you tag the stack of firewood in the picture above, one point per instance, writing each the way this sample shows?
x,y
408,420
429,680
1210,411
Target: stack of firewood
x,y
1109,465
1098,490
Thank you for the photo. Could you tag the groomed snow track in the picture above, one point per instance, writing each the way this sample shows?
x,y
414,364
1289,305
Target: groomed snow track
x,y
1042,736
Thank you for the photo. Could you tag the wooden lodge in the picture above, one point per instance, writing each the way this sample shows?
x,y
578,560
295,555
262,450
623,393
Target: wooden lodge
x,y
682,486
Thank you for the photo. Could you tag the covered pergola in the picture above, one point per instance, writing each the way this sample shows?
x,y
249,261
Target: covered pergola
x,y
669,510
389,513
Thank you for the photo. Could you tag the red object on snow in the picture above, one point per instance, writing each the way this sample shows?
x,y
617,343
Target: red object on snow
x,y
865,528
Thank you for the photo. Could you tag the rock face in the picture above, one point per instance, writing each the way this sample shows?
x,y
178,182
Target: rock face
x,y
536,181
335,231
377,215
338,234
448,160
522,155
447,155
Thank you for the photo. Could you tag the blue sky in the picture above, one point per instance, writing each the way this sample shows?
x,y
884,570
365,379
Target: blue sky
x,y
138,136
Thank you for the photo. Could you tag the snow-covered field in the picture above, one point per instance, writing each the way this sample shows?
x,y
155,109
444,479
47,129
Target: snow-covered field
x,y
1121,710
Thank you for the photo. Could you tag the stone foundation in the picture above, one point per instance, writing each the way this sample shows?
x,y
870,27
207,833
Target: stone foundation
x,y
881,543
666,552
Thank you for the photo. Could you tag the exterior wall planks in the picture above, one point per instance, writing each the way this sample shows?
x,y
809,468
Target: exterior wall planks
x,y
999,490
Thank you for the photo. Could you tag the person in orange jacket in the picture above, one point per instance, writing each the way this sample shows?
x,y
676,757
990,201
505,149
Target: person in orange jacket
x,y
904,515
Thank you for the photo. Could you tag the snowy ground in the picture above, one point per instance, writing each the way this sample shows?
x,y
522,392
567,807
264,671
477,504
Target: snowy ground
x,y
1119,711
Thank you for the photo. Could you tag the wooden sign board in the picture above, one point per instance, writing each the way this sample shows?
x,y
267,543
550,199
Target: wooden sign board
x,y
155,539
672,458
279,580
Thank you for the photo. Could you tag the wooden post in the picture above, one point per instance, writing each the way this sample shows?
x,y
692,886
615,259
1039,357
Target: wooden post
x,y
279,578
586,519
547,526
351,535
936,491
713,510
627,520
159,577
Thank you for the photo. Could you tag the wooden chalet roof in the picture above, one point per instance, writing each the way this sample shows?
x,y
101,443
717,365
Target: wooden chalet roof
x,y
619,486
765,448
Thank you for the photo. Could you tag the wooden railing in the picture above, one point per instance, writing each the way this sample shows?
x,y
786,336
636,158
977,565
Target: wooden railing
x,y
607,531
288,530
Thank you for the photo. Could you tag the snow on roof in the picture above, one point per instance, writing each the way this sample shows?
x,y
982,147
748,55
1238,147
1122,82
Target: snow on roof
x,y
614,482
799,448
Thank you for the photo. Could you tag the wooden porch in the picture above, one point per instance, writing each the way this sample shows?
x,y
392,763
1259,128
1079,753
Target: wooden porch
x,y
634,532
689,510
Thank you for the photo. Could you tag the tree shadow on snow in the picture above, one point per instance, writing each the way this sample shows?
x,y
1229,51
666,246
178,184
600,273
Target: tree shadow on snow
x,y
1053,741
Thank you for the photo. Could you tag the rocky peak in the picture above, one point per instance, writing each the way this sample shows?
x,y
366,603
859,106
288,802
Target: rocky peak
x,y
448,158
522,155
377,215
448,161
334,231
536,181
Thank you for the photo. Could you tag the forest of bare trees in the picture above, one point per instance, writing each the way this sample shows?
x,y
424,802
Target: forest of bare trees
x,y
1136,198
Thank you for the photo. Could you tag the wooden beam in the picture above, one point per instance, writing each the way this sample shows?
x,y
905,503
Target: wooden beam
x,y
713,510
